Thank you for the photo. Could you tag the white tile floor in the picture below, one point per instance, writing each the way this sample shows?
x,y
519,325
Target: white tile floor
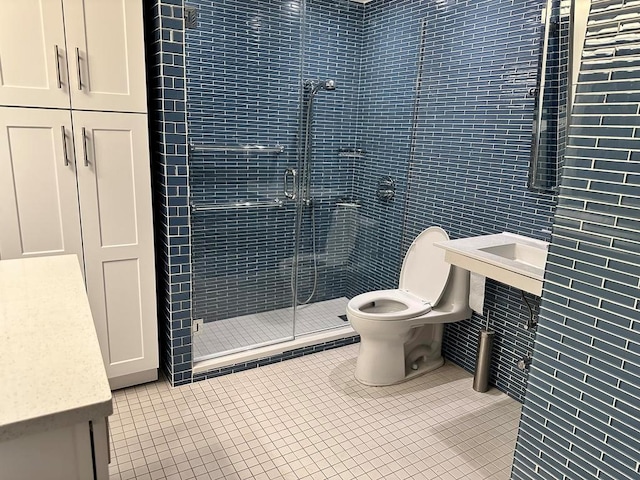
x,y
240,332
307,418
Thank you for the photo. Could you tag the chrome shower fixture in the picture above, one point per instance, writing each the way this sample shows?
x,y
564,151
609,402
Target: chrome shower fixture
x,y
312,87
315,85
328,84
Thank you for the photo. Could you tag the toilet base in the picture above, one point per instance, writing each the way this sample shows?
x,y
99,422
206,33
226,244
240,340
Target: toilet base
x,y
410,374
387,360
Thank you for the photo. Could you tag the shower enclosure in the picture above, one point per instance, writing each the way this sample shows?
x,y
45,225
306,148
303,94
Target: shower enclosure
x,y
271,126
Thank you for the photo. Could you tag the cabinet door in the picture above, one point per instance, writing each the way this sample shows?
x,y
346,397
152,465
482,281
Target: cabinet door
x,y
117,233
33,70
38,194
62,453
106,55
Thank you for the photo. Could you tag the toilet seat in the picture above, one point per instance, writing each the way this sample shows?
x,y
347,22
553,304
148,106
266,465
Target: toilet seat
x,y
413,306
423,280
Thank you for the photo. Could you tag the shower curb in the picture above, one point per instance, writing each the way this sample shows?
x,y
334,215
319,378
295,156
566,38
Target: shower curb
x,y
287,355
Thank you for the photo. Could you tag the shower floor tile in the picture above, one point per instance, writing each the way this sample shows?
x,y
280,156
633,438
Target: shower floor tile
x,y
307,418
267,327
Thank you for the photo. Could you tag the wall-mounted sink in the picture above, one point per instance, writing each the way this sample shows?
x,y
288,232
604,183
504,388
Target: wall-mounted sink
x,y
506,257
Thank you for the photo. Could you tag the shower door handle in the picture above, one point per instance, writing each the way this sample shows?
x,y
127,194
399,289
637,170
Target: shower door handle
x,y
294,176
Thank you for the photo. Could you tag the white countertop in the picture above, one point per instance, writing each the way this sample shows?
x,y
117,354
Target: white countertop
x,y
523,267
473,246
51,368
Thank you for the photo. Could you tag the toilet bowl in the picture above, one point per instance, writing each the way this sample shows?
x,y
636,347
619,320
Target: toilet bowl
x,y
401,330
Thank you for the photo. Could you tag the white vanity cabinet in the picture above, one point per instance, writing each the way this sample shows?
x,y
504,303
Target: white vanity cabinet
x,y
74,452
55,397
91,198
114,191
83,54
75,173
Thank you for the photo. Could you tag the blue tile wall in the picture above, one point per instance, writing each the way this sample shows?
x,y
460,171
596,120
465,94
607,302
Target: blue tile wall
x,y
461,135
245,63
165,63
581,413
456,144
332,50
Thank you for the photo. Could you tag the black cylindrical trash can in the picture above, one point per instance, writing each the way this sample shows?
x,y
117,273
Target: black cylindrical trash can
x,y
483,361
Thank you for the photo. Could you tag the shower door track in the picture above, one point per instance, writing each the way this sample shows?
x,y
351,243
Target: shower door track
x,y
243,349
270,349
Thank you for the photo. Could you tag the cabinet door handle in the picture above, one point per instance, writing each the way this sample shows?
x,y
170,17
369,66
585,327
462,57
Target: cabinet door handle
x,y
58,78
78,71
84,146
64,146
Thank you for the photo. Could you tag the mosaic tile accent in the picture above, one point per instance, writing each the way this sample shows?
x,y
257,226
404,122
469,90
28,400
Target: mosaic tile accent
x,y
165,63
581,413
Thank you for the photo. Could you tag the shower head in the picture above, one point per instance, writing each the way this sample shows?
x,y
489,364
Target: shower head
x,y
315,85
328,84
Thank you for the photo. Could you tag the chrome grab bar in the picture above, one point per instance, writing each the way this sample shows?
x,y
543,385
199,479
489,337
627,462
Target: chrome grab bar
x,y
539,107
237,205
294,175
237,148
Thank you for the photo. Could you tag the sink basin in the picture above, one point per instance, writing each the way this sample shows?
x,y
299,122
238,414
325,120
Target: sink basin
x,y
512,259
521,253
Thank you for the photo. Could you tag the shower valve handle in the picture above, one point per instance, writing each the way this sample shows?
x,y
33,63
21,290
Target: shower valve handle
x,y
294,175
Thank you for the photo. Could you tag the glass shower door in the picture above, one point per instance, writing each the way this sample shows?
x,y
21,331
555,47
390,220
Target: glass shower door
x,y
243,84
268,267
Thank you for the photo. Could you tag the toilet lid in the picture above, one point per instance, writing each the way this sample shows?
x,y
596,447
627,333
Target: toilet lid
x,y
424,271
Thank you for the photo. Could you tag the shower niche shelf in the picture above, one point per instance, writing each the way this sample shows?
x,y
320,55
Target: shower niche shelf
x,y
203,147
351,152
276,203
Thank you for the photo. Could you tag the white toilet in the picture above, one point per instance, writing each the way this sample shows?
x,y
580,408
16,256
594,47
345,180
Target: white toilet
x,y
401,330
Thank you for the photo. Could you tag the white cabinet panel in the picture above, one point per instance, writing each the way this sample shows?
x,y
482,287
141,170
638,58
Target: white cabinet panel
x,y
33,70
117,232
59,454
115,184
106,55
122,302
38,195
74,176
